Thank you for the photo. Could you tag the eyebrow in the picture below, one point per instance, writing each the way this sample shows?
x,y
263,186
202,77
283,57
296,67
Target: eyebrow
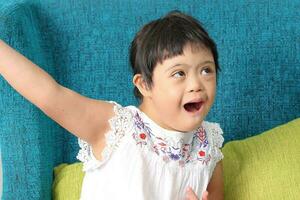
x,y
178,64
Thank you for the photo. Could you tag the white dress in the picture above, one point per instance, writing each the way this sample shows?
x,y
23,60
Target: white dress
x,y
143,161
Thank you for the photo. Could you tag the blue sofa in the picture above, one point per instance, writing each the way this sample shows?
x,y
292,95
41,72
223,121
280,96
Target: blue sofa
x,y
84,46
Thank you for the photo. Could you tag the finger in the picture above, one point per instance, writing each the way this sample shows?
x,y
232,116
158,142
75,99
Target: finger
x,y
190,194
205,195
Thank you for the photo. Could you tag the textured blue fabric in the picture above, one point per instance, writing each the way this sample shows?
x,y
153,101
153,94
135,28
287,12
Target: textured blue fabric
x,y
84,46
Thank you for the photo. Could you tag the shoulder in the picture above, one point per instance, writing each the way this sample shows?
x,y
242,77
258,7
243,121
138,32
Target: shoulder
x,y
96,154
214,132
214,138
213,126
122,120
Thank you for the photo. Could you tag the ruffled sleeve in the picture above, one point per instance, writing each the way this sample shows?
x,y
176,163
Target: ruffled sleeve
x,y
120,124
215,134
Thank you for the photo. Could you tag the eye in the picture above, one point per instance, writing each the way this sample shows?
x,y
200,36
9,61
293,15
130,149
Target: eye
x,y
207,70
178,74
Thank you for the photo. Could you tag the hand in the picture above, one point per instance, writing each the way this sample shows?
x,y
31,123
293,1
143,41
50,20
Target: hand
x,y
190,195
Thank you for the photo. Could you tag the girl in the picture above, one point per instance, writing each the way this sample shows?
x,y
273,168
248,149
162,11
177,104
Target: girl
x,y
162,149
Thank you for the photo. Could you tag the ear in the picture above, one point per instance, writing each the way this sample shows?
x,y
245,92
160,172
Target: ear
x,y
142,86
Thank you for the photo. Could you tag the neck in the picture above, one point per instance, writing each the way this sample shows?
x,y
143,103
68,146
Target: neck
x,y
150,110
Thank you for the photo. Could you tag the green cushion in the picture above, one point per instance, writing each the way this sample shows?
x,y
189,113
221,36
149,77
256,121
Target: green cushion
x,y
265,166
67,181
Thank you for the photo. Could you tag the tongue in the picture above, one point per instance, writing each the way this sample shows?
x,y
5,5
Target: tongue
x,y
192,107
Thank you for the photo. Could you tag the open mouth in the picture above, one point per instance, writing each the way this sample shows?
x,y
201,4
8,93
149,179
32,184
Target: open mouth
x,y
193,106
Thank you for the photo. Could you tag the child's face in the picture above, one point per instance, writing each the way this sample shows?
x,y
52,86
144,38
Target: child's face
x,y
183,90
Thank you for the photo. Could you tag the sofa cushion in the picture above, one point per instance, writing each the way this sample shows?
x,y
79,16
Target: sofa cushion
x,y
67,181
265,166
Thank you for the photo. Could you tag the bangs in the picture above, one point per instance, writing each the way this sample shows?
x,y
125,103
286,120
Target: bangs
x,y
177,49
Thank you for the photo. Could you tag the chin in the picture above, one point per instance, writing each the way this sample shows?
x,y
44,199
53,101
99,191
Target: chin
x,y
189,127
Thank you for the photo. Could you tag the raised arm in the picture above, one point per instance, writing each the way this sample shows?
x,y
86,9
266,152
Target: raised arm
x,y
84,117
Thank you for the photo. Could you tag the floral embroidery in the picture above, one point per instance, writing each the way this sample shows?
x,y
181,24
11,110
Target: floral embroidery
x,y
141,125
201,144
143,136
201,153
171,150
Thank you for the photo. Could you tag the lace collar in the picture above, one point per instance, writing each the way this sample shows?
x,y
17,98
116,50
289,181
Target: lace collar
x,y
170,145
141,119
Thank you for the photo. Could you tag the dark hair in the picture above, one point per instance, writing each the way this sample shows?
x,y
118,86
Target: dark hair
x,y
165,38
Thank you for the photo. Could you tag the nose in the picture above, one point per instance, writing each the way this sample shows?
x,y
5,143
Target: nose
x,y
194,84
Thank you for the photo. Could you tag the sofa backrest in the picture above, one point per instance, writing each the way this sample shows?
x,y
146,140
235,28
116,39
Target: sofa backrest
x,y
84,46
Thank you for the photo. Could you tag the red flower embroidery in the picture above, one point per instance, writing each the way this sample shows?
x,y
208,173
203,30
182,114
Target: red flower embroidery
x,y
143,136
201,153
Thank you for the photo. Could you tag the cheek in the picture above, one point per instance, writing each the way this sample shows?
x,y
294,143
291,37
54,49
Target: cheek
x,y
212,92
167,95
171,91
